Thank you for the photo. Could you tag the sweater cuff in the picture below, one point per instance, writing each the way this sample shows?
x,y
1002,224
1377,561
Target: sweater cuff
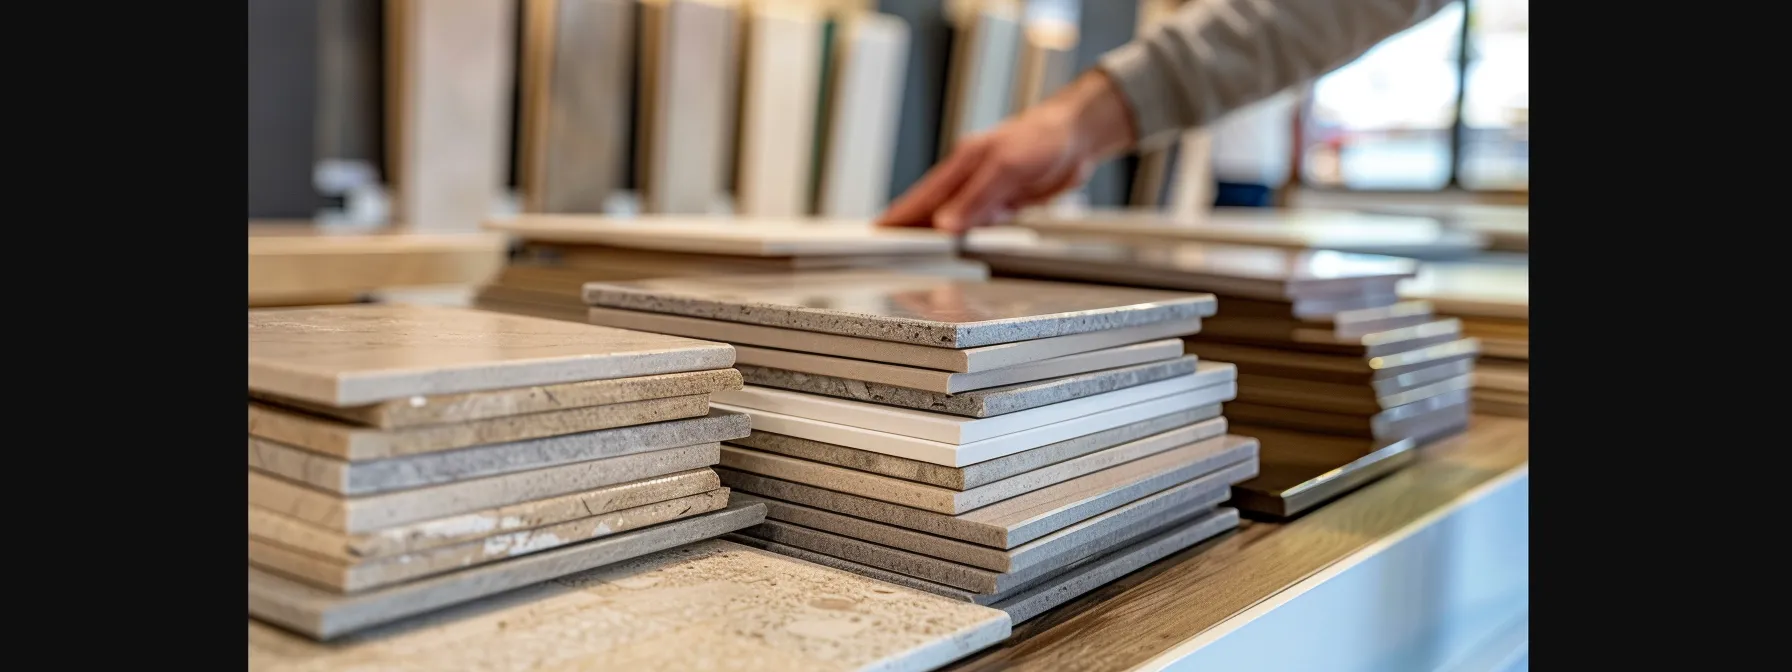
x,y
1140,82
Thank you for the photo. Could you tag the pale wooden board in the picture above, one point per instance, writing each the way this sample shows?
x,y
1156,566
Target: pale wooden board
x,y
288,261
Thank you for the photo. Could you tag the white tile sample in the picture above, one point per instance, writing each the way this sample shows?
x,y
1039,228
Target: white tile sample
x,y
984,56
780,78
687,110
870,63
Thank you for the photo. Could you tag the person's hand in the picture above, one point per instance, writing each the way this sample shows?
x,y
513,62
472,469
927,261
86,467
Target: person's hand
x,y
1040,153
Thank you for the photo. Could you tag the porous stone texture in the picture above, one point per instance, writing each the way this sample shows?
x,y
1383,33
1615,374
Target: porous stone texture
x,y
367,477
979,403
447,408
949,382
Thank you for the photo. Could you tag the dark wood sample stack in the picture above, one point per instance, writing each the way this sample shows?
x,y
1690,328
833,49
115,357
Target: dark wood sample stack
x,y
1493,301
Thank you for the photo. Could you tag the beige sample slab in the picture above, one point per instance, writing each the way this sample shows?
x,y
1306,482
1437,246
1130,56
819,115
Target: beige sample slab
x,y
411,537
1337,397
710,605
944,359
950,501
980,403
351,442
362,478
944,382
981,473
1016,521
577,91
780,79
293,265
323,615
356,355
355,576
446,408
362,514
686,111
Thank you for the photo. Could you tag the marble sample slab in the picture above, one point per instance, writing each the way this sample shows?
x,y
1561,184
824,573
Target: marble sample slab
x,y
363,514
1201,493
1301,470
918,310
979,403
962,454
796,365
362,478
1297,229
1093,573
709,605
944,359
780,78
1330,367
446,408
870,61
324,615
733,236
981,473
354,443
1422,420
358,575
947,500
1337,398
356,355
944,427
1369,345
1012,522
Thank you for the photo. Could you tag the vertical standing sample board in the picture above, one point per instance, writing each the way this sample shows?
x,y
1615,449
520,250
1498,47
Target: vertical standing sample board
x,y
870,59
984,54
923,87
448,85
1157,166
1047,62
1192,182
780,80
1099,31
687,103
577,103
282,93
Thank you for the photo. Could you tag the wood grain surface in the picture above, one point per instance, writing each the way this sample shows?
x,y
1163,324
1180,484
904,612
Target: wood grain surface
x,y
1148,612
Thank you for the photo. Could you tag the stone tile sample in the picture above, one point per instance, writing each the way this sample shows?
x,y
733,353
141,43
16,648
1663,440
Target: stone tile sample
x,y
575,111
1297,229
450,408
355,576
950,501
373,476
1333,368
918,310
795,366
729,235
944,427
1373,344
880,574
362,514
983,358
962,454
357,355
781,78
870,61
412,537
1201,493
706,606
324,615
982,403
354,443
981,473
1338,397
1423,419
687,106
1012,522
1096,572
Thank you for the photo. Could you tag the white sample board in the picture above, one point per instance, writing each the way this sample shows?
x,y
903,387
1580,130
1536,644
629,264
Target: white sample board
x,y
870,68
687,107
780,80
985,52
450,74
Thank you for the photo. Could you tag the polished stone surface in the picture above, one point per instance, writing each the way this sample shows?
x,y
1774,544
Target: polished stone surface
x,y
321,614
792,368
449,408
357,355
350,576
980,403
981,473
355,443
367,477
904,308
363,514
741,236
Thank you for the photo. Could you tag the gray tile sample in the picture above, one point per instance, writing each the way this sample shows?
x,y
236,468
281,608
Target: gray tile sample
x,y
950,501
372,512
1016,521
918,310
374,476
793,368
981,403
323,615
1096,572
981,473
445,408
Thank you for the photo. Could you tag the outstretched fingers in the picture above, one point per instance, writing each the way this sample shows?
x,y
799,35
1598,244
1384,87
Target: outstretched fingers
x,y
918,205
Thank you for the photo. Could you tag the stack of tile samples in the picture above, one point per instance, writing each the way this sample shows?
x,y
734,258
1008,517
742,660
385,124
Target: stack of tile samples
x,y
1295,229
1010,443
1493,300
562,253
405,458
1338,378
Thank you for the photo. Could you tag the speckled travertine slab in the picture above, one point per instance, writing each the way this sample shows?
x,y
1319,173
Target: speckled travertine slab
x,y
939,312
1093,573
357,355
352,442
950,501
1203,492
792,367
321,614
1012,522
981,473
373,476
978,403
412,537
983,358
354,576
448,408
354,515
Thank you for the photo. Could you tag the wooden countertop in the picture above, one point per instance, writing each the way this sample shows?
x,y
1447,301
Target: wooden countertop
x,y
1151,611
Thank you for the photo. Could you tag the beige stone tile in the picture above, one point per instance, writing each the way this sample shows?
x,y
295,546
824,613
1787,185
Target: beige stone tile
x,y
449,408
